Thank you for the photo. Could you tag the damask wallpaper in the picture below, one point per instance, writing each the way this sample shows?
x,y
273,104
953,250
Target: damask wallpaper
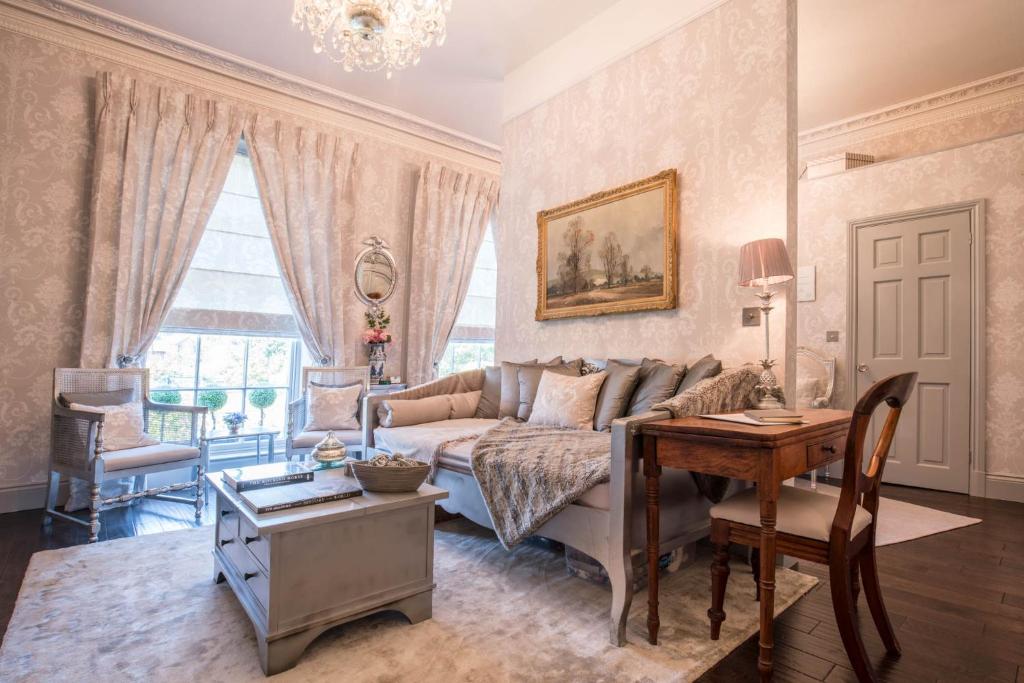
x,y
709,99
46,115
991,170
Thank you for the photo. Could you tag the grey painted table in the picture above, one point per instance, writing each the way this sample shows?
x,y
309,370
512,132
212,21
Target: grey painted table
x,y
302,571
257,433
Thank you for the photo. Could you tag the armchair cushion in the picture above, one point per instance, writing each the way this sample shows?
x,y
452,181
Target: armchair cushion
x,y
334,408
123,426
800,513
143,456
349,437
97,398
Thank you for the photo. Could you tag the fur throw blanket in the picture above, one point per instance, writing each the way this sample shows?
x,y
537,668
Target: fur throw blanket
x,y
529,473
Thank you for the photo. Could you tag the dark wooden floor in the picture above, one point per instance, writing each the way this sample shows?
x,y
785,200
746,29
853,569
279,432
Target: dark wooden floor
x,y
956,599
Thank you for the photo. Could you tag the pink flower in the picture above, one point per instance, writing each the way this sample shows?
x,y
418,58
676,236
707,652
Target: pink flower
x,y
376,336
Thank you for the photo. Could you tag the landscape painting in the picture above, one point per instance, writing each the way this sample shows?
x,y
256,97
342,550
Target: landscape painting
x,y
612,252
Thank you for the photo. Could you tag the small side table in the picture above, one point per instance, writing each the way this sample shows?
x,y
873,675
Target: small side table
x,y
256,433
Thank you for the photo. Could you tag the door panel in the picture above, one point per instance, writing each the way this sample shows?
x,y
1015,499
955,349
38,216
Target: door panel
x,y
913,314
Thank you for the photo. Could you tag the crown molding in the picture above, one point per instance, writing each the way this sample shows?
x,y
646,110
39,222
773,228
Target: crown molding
x,y
83,27
959,102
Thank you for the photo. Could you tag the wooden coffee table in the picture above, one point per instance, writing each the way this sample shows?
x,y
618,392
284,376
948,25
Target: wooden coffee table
x,y
302,571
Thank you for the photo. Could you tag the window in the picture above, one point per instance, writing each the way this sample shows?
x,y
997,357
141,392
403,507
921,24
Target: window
x,y
472,341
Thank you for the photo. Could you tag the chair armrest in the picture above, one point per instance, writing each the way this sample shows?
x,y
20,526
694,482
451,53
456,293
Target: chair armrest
x,y
73,437
86,415
296,416
175,408
368,420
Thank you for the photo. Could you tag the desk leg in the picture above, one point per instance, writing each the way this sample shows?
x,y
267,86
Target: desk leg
x,y
768,495
652,472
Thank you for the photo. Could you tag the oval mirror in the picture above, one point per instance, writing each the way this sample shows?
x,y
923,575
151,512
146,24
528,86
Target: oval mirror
x,y
376,273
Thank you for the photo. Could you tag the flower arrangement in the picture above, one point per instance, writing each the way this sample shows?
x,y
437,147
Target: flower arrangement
x,y
234,420
377,321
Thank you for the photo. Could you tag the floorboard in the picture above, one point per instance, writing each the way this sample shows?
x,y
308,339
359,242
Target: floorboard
x,y
956,599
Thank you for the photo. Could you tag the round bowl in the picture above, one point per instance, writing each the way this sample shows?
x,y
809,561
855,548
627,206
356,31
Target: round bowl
x,y
389,479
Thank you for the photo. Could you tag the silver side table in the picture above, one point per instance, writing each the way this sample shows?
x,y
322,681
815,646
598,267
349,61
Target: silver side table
x,y
248,433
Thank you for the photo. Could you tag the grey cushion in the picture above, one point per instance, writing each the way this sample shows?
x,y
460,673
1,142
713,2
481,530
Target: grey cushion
x,y
800,513
706,367
509,404
529,380
116,397
658,381
490,395
615,394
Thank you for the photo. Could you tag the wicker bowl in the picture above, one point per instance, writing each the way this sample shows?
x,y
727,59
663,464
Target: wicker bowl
x,y
389,479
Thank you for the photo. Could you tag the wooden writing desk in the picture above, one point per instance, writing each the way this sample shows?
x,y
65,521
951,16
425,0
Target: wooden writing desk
x,y
766,455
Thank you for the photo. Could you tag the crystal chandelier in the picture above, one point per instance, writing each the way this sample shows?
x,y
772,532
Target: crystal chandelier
x,y
373,34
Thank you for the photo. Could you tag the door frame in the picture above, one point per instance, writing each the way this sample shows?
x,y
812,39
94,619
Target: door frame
x,y
978,384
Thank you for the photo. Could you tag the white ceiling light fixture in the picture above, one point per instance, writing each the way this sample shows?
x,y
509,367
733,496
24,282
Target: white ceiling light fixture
x,y
373,34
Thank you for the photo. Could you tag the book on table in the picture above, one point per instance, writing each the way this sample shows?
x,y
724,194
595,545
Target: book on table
x,y
301,494
775,417
263,476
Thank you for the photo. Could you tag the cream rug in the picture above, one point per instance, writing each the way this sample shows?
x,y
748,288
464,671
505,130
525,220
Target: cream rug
x,y
899,521
146,608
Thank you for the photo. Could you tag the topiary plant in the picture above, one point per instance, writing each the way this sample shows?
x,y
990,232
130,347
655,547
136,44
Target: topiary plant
x,y
214,399
261,399
168,396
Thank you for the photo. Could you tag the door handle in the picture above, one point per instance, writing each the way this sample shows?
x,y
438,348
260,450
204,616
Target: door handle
x,y
862,368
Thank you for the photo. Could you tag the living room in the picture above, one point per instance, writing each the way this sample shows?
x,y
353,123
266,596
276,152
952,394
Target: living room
x,y
512,252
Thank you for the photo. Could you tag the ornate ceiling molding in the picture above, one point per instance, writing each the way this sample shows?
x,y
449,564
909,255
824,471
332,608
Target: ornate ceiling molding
x,y
120,39
962,101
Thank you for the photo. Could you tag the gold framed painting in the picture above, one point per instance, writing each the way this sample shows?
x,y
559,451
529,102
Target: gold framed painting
x,y
611,252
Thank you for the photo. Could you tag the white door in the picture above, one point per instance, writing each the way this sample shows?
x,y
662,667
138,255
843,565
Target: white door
x,y
913,308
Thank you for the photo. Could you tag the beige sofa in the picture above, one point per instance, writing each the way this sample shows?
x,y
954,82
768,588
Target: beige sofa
x,y
607,523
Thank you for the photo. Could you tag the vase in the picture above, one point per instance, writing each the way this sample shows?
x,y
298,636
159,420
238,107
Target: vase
x,y
233,429
378,357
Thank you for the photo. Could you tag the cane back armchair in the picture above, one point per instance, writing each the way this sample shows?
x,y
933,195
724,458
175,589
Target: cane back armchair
x,y
77,444
299,442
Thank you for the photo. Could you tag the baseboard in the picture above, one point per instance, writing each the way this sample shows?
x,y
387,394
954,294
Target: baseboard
x,y
28,497
1004,487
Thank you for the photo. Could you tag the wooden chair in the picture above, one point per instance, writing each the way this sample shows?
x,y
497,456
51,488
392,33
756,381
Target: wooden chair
x,y
299,442
816,527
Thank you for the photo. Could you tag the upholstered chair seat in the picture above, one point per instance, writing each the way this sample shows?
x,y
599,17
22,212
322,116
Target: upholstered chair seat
x,y
143,456
800,512
349,437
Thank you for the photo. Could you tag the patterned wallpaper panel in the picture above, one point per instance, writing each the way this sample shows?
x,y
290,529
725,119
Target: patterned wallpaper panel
x,y
709,99
992,170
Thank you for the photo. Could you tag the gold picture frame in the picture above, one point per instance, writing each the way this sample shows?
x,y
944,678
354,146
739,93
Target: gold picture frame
x,y
599,255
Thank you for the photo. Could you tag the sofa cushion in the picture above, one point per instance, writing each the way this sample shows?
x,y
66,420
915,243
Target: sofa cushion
x,y
708,366
613,400
97,398
143,456
401,413
658,381
490,394
332,408
349,437
567,401
509,404
800,513
421,441
464,405
529,380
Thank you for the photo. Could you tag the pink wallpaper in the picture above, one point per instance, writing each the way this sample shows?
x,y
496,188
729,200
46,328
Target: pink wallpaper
x,y
709,99
992,170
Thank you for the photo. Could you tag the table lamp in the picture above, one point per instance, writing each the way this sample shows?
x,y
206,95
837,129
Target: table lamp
x,y
764,263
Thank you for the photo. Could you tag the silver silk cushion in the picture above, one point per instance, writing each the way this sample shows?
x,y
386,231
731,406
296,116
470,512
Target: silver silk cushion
x,y
708,366
490,394
509,403
529,380
615,394
658,382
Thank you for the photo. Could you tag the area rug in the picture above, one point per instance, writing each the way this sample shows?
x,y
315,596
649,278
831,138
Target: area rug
x,y
899,522
146,608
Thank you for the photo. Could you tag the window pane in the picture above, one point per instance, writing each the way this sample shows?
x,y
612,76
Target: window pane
x,y
222,362
269,361
274,415
228,402
172,361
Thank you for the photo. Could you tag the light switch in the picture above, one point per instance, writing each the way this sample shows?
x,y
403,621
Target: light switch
x,y
752,317
832,336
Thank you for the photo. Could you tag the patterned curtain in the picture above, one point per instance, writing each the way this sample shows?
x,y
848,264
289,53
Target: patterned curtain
x,y
450,217
162,156
305,183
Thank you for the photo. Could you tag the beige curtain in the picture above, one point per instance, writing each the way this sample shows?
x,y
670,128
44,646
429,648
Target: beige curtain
x,y
450,217
161,159
305,183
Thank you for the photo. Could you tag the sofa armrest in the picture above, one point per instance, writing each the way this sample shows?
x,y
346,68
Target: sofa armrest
x,y
626,458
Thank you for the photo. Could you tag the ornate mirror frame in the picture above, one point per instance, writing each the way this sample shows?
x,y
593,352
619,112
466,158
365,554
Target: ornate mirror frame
x,y
377,247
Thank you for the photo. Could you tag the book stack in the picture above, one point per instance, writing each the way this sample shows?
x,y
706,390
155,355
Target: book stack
x,y
285,485
775,417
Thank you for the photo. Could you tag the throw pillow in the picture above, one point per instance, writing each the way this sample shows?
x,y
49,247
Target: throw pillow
x,y
567,401
509,405
464,405
402,413
615,393
658,381
706,367
529,380
334,408
490,395
97,398
123,425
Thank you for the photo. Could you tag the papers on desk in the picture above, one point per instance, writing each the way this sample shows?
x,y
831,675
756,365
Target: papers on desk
x,y
742,419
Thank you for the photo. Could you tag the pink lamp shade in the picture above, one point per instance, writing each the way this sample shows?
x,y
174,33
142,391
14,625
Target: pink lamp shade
x,y
764,262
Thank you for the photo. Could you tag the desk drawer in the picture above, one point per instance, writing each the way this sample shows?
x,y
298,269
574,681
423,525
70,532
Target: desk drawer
x,y
822,452
227,521
254,576
257,545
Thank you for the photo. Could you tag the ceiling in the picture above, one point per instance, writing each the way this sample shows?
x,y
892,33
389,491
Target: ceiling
x,y
854,55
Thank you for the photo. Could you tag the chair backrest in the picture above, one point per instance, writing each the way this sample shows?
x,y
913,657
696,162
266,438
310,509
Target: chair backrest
x,y
335,375
72,380
861,488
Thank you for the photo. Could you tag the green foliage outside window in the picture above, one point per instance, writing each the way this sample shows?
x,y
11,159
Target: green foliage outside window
x,y
214,399
170,397
262,399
